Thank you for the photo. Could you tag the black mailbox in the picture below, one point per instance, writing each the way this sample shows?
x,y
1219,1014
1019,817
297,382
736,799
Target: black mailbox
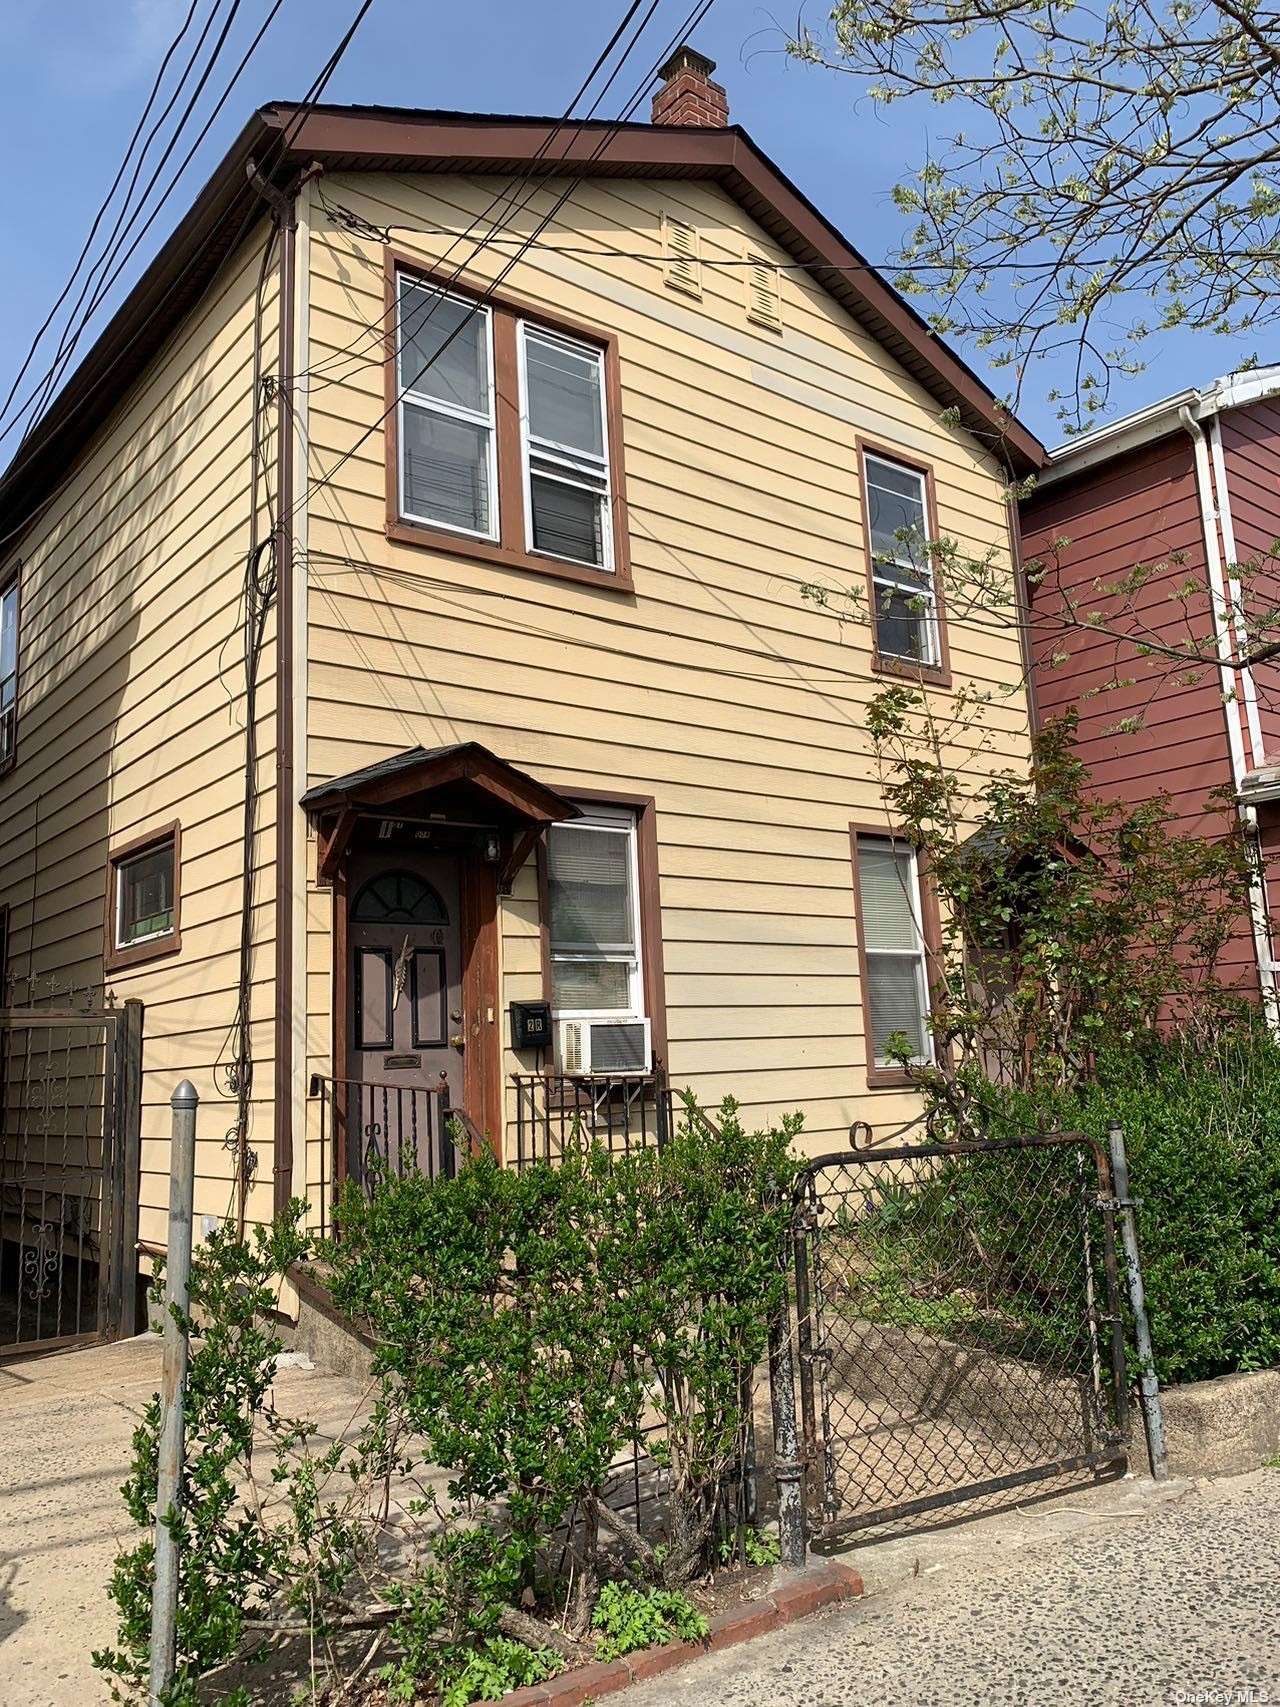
x,y
530,1025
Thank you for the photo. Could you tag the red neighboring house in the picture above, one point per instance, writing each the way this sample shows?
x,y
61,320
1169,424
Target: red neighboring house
x,y
1193,481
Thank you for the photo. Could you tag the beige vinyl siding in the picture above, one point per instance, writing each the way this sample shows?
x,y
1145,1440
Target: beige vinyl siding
x,y
717,688
131,714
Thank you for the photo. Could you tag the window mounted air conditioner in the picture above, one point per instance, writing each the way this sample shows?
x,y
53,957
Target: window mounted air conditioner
x,y
612,1048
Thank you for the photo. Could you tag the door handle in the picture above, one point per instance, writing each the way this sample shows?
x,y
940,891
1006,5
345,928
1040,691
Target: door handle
x,y
458,1042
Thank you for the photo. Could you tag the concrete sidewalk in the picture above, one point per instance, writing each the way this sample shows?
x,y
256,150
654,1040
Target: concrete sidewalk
x,y
1130,1594
66,1424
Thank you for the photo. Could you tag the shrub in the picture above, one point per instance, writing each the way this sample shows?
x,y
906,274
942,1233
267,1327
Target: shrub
x,y
1202,1132
528,1319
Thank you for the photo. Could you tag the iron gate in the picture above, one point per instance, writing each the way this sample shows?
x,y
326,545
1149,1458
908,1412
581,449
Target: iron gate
x,y
958,1324
70,1103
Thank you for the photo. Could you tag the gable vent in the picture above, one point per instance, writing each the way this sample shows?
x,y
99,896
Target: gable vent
x,y
683,259
764,303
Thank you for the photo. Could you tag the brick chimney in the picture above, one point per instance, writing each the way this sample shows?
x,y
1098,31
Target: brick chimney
x,y
688,96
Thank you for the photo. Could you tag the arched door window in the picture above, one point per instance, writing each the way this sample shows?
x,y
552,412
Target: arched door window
x,y
398,898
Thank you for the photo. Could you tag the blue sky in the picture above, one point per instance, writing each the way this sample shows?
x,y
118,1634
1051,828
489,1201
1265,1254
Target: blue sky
x,y
74,75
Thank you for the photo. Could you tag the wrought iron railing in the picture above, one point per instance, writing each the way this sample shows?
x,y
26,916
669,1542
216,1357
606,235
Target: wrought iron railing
x,y
381,1129
555,1112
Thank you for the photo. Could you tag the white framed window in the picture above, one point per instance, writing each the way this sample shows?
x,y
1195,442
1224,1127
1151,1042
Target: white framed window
x,y
446,430
903,591
146,896
565,444
8,671
593,896
896,997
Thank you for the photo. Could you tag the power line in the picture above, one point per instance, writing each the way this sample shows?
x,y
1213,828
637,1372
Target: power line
x,y
508,193
108,280
695,17
106,201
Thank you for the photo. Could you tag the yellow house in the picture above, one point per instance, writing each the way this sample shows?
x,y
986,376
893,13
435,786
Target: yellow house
x,y
408,690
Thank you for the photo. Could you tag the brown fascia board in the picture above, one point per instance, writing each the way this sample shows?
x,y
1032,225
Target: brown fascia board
x,y
403,139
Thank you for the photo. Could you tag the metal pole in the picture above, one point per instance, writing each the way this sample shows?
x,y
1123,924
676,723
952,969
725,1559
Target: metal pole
x,y
177,1300
787,1468
1148,1386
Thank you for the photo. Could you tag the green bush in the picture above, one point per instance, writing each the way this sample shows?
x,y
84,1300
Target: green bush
x,y
1202,1133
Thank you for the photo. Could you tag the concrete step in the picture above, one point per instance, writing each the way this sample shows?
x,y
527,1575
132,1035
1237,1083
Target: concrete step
x,y
331,1340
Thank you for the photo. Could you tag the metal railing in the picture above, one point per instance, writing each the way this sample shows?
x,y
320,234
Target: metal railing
x,y
382,1128
557,1112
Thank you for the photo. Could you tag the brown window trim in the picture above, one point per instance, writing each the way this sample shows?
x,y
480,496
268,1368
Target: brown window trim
x,y
119,959
12,577
934,675
651,963
880,1078
509,549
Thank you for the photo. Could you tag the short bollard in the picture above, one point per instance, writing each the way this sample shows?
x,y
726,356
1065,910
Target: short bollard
x,y
177,1299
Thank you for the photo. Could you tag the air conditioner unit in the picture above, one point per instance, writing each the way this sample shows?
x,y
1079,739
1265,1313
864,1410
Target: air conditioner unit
x,y
605,1048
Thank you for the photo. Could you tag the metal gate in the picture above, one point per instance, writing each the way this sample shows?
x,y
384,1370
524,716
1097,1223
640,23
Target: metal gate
x,y
70,1104
958,1325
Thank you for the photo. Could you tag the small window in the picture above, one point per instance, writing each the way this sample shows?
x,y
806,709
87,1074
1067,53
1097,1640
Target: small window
x,y
143,899
764,304
566,452
896,997
681,251
905,599
594,922
448,458
8,672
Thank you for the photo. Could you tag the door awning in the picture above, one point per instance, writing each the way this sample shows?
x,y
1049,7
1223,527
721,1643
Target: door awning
x,y
462,784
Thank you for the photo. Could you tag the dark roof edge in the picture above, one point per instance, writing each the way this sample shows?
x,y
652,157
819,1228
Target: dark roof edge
x,y
390,138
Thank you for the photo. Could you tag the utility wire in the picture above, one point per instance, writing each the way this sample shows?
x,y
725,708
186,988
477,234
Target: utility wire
x,y
695,17
509,191
108,279
107,199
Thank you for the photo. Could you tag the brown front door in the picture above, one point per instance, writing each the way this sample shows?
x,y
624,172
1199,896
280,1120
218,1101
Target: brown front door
x,y
405,1011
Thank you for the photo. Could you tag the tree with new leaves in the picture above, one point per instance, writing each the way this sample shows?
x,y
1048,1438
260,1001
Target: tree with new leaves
x,y
1110,173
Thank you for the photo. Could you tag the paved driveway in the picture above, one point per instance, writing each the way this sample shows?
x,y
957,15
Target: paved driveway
x,y
1130,1595
66,1423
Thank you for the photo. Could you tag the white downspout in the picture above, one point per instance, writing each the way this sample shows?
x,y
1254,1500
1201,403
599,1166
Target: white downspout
x,y
1235,734
1233,589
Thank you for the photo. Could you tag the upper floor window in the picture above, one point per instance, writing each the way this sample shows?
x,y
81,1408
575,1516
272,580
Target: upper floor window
x,y
904,596
448,457
505,434
8,671
895,991
143,898
594,914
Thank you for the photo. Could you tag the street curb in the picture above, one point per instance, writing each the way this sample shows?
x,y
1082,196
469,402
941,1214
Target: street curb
x,y
796,1597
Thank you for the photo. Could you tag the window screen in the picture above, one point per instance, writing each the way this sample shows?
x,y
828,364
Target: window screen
x,y
906,618
897,993
594,913
145,895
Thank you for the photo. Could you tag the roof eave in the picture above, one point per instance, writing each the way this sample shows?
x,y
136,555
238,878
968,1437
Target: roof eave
x,y
390,139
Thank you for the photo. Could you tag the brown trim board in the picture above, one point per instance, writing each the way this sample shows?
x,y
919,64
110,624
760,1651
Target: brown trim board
x,y
286,799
